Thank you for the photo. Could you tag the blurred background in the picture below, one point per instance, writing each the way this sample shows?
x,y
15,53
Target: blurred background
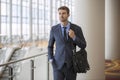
x,y
24,32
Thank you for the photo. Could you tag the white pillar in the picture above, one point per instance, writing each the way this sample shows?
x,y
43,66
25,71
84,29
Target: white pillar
x,y
90,15
112,34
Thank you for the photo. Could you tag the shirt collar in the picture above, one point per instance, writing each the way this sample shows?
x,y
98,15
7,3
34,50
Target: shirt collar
x,y
67,26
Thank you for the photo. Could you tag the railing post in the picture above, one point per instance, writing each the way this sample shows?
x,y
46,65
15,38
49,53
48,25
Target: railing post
x,y
32,69
47,68
10,73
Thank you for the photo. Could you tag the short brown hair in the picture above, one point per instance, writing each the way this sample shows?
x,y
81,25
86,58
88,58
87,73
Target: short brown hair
x,y
64,8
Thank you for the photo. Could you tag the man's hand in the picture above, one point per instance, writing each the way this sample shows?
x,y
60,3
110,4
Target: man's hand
x,y
51,60
71,33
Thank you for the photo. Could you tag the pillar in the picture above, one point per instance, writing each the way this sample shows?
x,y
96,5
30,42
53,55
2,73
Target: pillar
x,y
112,19
90,15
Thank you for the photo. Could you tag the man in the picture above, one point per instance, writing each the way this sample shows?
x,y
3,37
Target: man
x,y
65,36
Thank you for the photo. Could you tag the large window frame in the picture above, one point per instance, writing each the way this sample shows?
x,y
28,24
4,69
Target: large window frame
x,y
30,19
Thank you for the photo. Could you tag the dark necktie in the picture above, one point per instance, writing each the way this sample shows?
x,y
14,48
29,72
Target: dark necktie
x,y
65,35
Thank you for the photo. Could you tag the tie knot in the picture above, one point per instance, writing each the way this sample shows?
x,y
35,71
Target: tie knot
x,y
65,28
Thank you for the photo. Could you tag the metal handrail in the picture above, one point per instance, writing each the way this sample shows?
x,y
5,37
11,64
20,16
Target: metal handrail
x,y
23,59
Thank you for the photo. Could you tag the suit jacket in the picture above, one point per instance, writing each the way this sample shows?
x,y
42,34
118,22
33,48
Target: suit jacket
x,y
63,49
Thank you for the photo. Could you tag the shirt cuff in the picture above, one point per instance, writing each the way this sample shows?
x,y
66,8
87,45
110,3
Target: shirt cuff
x,y
50,60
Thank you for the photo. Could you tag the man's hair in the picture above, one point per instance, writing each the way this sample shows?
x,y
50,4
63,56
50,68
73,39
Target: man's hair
x,y
64,8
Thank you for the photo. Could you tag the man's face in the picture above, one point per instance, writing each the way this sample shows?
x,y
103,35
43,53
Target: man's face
x,y
63,15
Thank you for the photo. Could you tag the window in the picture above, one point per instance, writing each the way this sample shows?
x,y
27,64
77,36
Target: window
x,y
30,17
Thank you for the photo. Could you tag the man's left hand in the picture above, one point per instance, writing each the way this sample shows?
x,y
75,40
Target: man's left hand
x,y
71,33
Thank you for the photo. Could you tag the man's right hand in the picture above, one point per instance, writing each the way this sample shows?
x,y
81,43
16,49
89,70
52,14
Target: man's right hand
x,y
51,60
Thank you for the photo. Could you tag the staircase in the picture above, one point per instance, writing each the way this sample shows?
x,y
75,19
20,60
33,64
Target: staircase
x,y
16,55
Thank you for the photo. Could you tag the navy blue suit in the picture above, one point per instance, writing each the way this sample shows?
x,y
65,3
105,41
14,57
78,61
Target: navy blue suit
x,y
63,49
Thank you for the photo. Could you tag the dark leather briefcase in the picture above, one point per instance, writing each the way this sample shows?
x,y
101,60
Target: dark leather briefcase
x,y
80,62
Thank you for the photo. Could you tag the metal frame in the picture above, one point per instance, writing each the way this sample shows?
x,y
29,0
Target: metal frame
x,y
30,20
21,24
10,20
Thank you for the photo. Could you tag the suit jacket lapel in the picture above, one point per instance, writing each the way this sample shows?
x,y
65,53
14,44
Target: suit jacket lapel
x,y
71,27
60,32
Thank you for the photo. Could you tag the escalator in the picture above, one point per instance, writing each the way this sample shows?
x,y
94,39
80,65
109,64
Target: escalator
x,y
9,54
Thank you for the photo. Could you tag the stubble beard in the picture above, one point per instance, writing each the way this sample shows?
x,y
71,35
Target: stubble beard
x,y
63,20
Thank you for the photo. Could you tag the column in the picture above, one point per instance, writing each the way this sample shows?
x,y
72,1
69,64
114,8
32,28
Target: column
x,y
90,15
112,37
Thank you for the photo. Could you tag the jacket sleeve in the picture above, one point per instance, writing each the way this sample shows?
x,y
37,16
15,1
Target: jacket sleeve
x,y
80,40
51,45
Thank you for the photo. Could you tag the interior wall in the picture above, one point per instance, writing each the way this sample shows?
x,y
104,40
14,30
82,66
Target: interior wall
x,y
112,29
90,15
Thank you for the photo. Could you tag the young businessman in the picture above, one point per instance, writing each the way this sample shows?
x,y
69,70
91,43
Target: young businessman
x,y
66,36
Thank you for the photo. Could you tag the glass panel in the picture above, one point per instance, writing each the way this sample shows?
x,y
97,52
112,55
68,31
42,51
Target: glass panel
x,y
3,19
14,10
3,29
3,9
43,28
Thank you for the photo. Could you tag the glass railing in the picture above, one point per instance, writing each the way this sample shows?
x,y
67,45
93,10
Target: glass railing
x,y
35,67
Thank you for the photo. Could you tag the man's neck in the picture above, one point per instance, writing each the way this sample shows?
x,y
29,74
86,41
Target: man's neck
x,y
64,23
